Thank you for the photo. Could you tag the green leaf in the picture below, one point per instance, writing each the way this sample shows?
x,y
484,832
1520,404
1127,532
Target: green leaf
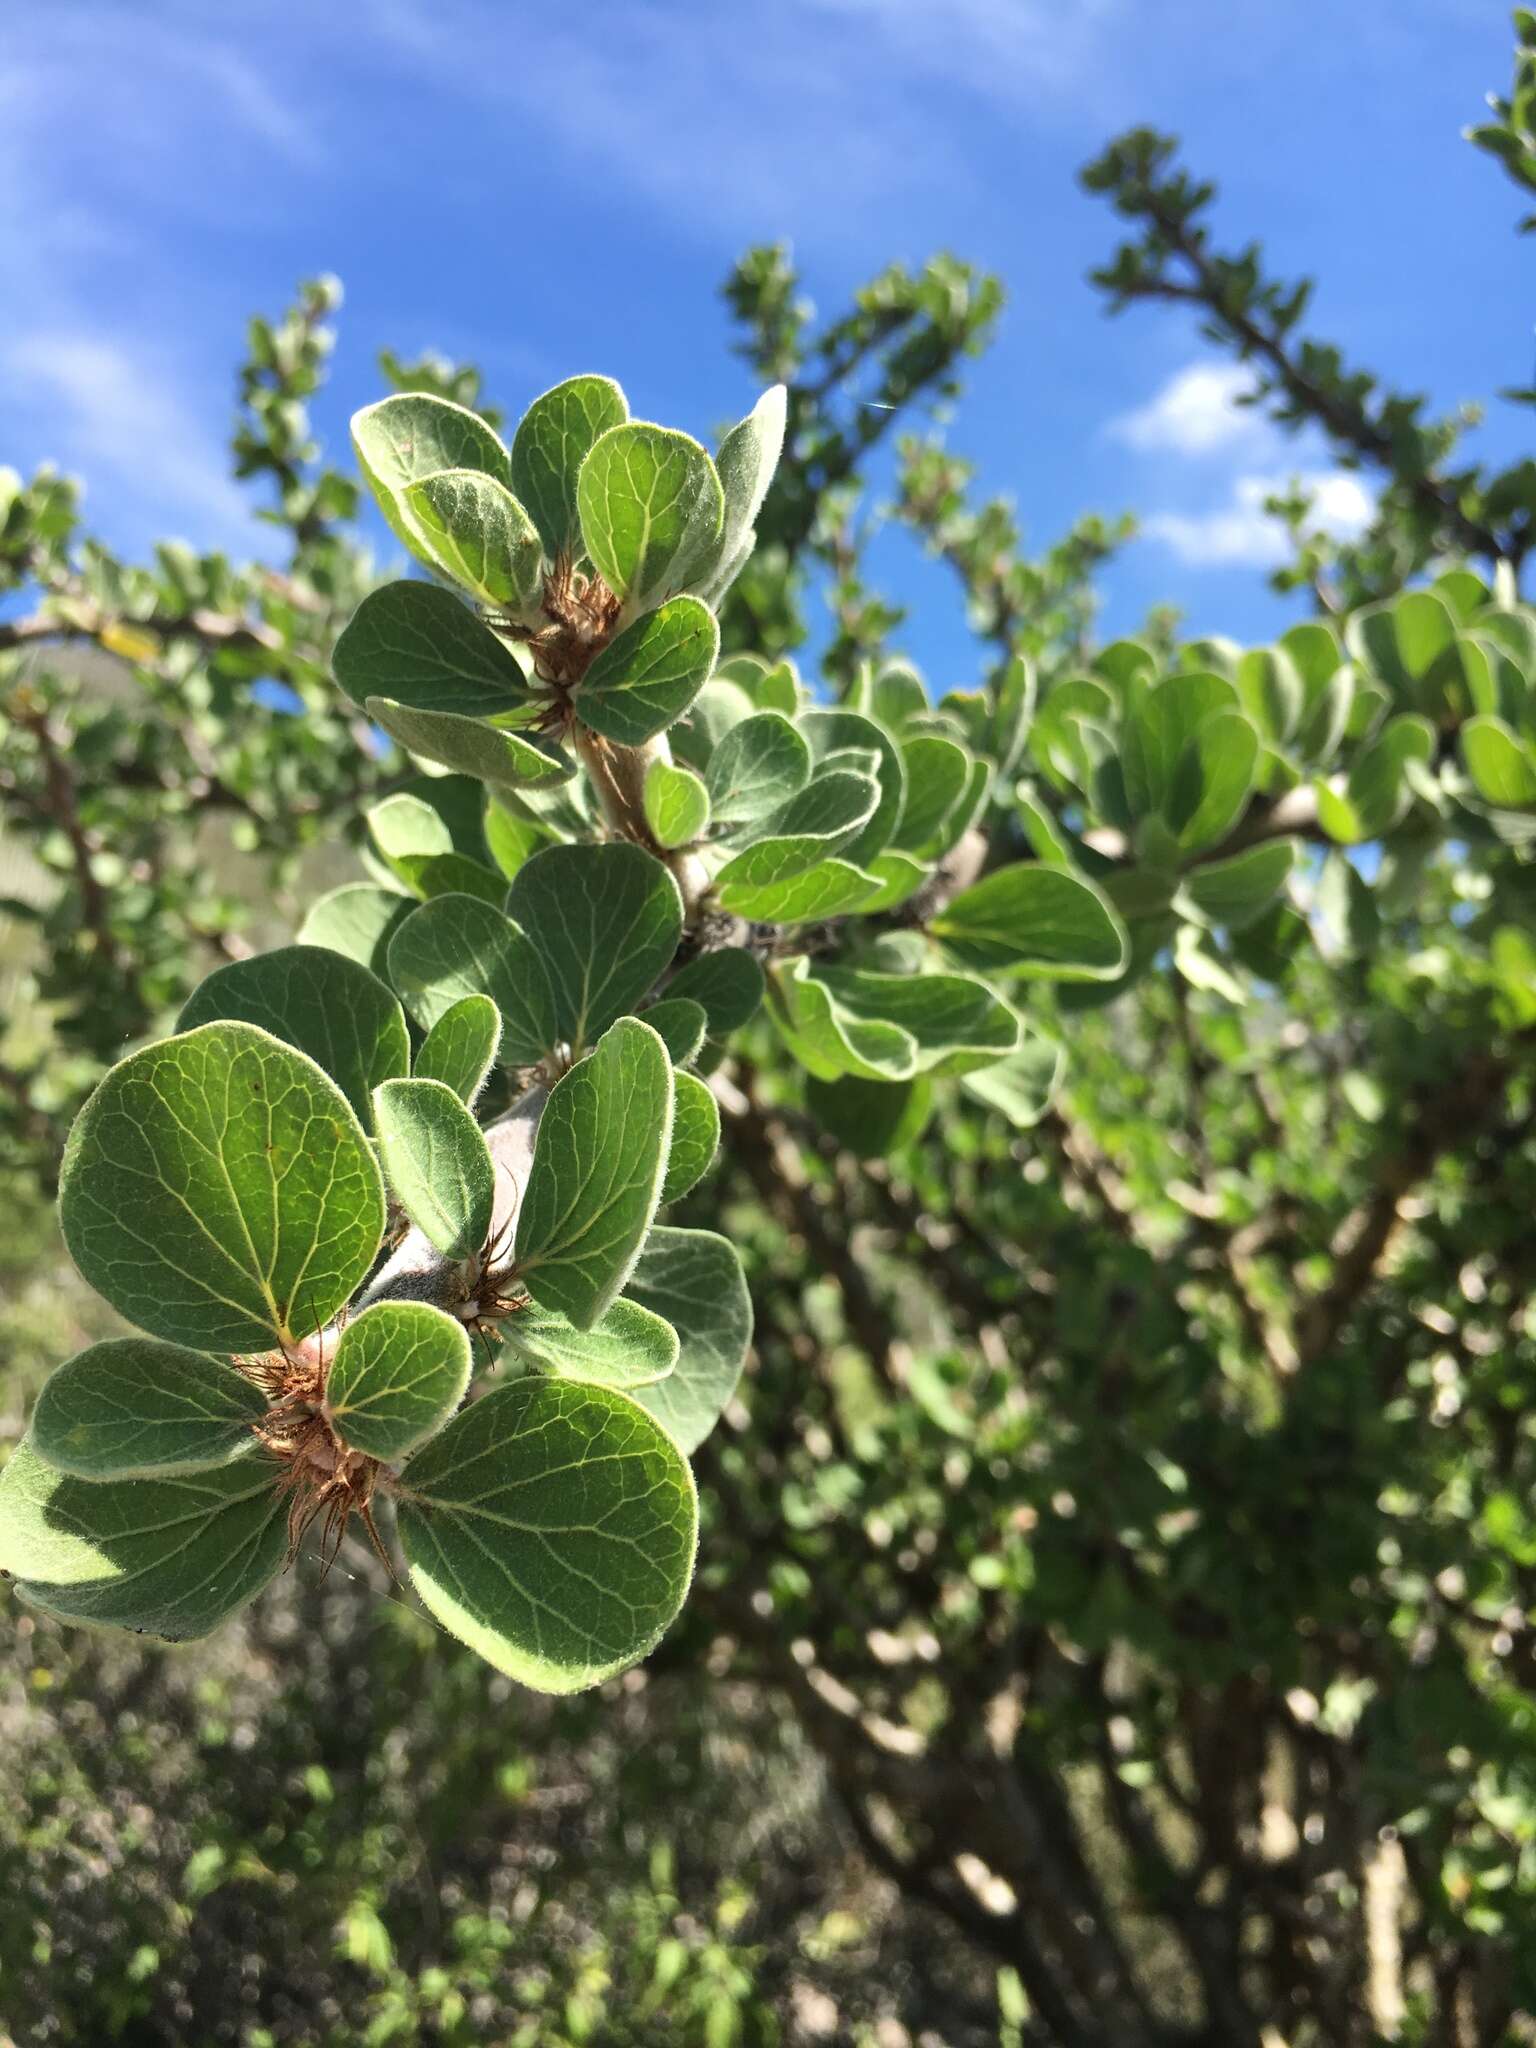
x,y
512,839
413,435
422,647
954,1023
695,1136
682,1023
1212,779
606,921
694,1279
1035,920
1379,789
812,827
897,694
766,896
358,922
219,1192
1232,893
1020,1087
479,535
437,1164
938,774
899,876
598,1165
831,731
400,1370
748,457
676,804
552,1527
728,982
322,1003
718,706
651,510
1272,691
830,1041
133,1408
457,946
471,747
1500,764
631,1347
1158,730
549,447
756,769
647,678
870,1118
169,1557
461,1046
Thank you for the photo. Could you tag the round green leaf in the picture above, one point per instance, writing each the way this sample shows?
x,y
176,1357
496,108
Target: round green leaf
x,y
169,1557
694,1279
457,946
631,1347
550,446
605,921
420,646
437,1164
400,1370
218,1191
508,760
461,1046
676,804
358,922
651,510
1501,765
133,1408
412,435
695,1136
1035,919
728,982
597,1171
320,1002
647,678
763,894
756,769
1021,1086
1232,893
682,1023
870,1118
479,535
552,1527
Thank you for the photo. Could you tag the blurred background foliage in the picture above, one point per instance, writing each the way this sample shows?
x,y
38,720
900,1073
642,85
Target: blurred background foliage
x,y
1114,1610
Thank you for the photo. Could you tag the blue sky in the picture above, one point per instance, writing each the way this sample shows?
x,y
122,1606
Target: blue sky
x,y
554,188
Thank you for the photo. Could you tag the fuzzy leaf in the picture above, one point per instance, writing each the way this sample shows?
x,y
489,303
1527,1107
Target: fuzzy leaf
x,y
134,1408
695,1136
437,1164
682,1023
765,896
324,1004
598,1165
1035,919
413,435
509,760
758,766
457,946
676,804
605,921
748,457
631,1347
551,1527
695,1280
358,922
219,1192
400,1370
647,678
651,510
728,982
460,1048
169,1557
479,535
1232,893
421,647
549,447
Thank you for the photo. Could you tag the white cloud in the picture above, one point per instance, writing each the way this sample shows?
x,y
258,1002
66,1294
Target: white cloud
x,y
1241,534
1196,413
113,412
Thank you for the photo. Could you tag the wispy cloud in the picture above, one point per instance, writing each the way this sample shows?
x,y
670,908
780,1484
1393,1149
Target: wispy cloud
x,y
114,414
1241,534
1197,412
